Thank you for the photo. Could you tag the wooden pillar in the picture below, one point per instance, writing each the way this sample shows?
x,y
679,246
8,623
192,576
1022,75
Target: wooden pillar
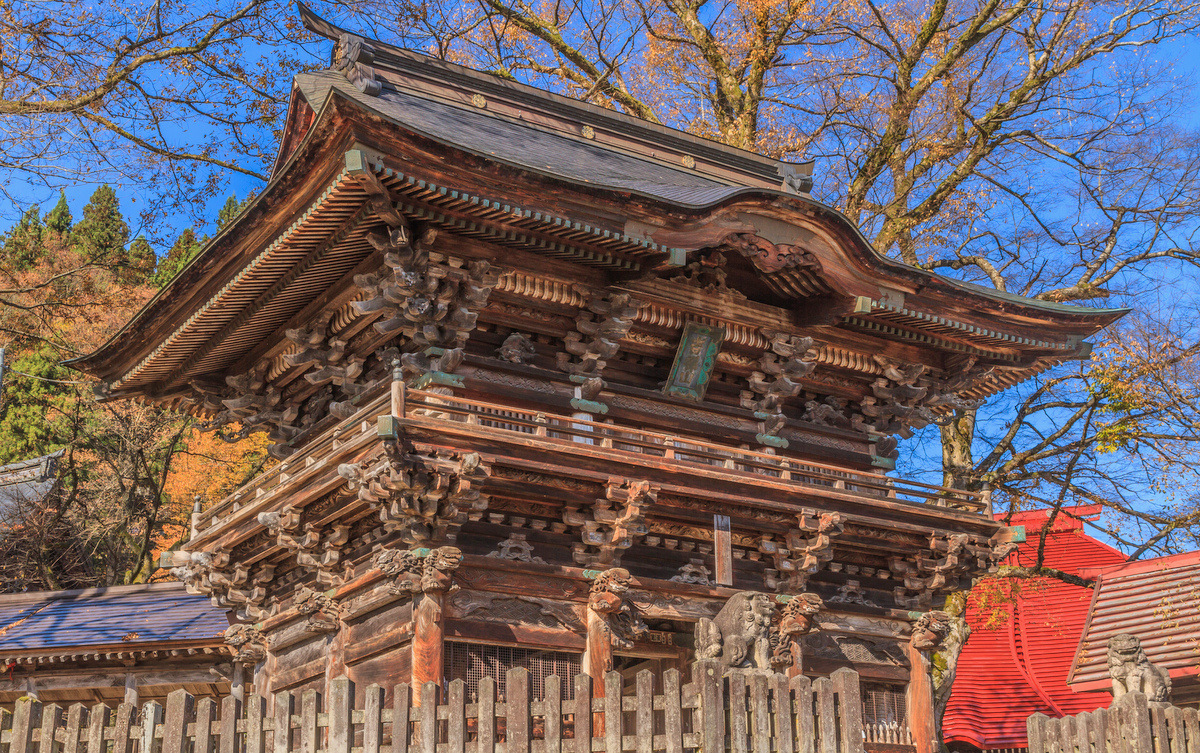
x,y
335,665
131,693
237,684
927,634
598,653
428,640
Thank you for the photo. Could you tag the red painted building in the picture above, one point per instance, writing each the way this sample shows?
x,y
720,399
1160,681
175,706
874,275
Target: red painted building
x,y
1024,634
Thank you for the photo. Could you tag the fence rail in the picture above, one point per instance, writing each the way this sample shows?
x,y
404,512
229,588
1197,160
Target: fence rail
x,y
1129,725
745,713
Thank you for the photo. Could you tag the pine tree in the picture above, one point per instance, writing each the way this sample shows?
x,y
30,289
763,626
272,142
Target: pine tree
x,y
229,212
185,248
59,220
101,235
141,260
23,246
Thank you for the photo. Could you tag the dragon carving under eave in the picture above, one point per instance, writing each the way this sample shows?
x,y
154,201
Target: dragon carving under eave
x,y
609,598
414,572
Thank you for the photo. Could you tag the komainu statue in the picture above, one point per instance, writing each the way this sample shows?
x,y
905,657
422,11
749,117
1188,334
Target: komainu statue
x,y
750,632
1132,672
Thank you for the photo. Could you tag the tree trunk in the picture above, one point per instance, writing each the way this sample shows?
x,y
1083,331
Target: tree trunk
x,y
945,661
958,464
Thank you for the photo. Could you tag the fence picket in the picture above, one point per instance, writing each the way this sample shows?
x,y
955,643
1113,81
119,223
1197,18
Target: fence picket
x,y
583,714
52,715
827,722
428,718
805,729
179,707
205,712
98,719
231,710
456,722
123,738
256,733
309,702
643,728
341,715
26,718
486,737
845,685
552,715
712,707
401,706
373,719
672,712
1191,720
760,717
1175,729
612,713
281,736
781,692
73,729
516,704
152,717
735,685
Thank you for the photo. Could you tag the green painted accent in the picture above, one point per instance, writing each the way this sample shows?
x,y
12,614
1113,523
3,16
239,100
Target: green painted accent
x,y
356,162
420,551
677,257
694,361
434,351
886,464
784,598
915,615
1019,536
588,406
439,378
592,574
862,305
388,427
770,440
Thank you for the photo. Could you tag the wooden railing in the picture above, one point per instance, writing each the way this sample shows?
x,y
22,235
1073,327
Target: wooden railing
x,y
675,448
887,733
684,449
745,713
1130,725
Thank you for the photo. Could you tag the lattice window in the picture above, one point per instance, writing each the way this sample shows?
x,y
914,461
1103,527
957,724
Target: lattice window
x,y
883,704
471,661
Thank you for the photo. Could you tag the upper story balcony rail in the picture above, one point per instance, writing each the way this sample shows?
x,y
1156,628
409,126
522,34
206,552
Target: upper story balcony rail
x,y
423,408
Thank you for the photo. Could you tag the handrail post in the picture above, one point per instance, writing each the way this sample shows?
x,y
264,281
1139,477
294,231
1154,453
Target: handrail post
x,y
399,397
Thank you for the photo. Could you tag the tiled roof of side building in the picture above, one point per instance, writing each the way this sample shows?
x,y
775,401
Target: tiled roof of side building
x,y
26,481
120,615
1023,637
1158,600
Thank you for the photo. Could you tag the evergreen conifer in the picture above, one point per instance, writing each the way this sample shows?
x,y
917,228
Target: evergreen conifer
x,y
23,244
59,220
186,246
101,236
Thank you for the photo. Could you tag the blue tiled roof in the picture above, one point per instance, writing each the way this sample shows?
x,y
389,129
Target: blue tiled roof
x,y
26,482
128,615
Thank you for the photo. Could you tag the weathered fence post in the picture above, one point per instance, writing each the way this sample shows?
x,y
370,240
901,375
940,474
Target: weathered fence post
x,y
152,717
845,685
26,718
179,708
709,681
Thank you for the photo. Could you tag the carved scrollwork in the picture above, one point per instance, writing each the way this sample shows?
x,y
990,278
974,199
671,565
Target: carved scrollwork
x,y
418,571
516,548
248,642
423,499
708,274
770,257
517,348
323,612
613,523
795,618
952,561
780,370
694,572
609,598
930,629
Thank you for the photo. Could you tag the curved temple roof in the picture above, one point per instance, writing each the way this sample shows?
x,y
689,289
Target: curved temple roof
x,y
545,173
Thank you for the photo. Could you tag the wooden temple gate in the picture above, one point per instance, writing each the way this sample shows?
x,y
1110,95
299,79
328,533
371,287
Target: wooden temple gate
x,y
757,712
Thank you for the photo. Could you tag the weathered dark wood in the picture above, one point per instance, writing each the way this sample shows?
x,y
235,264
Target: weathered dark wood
x,y
26,718
73,729
428,718
552,715
180,705
98,719
401,717
456,723
231,711
673,712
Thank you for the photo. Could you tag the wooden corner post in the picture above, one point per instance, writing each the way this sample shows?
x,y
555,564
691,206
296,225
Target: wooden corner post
x,y
927,634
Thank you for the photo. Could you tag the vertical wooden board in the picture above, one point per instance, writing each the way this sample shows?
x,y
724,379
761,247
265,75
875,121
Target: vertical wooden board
x,y
583,713
516,701
613,718
849,697
1083,732
552,715
123,728
281,737
340,711
152,719
27,716
673,712
373,720
739,730
98,719
782,714
1033,732
401,717
1112,733
826,721
52,721
179,710
722,550
427,714
643,728
309,702
231,709
456,719
1191,721
206,711
1175,729
806,733
1066,733
73,731
760,715
256,714
1099,730
486,722
1142,736
706,675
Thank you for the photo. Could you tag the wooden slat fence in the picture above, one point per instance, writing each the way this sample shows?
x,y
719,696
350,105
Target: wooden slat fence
x,y
1130,725
754,713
